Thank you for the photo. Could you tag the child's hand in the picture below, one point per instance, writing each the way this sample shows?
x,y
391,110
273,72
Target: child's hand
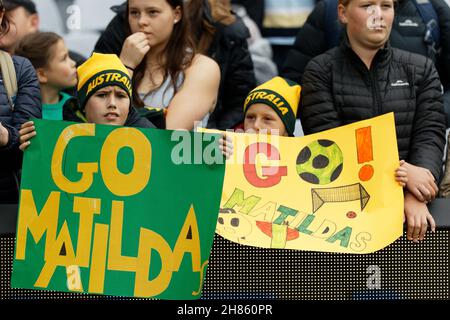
x,y
134,49
27,131
4,136
421,182
401,174
226,146
417,218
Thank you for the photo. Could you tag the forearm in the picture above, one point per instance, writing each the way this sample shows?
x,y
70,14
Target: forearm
x,y
185,118
428,131
427,144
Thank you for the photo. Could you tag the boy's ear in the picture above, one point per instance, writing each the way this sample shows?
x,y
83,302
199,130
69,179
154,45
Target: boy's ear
x,y
42,76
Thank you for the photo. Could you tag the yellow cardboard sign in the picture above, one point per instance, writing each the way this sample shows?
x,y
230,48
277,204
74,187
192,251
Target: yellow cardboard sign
x,y
333,191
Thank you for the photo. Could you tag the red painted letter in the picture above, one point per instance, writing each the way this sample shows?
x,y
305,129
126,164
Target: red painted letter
x,y
272,175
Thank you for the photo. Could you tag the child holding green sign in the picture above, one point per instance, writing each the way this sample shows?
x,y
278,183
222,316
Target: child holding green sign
x,y
104,97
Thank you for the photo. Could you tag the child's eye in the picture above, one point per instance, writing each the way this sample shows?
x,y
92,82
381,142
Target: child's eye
x,y
134,13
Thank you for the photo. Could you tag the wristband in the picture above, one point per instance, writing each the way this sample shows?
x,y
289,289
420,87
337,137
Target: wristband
x,y
129,68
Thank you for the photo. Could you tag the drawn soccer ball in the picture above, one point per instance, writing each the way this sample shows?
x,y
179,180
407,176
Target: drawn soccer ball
x,y
320,162
232,225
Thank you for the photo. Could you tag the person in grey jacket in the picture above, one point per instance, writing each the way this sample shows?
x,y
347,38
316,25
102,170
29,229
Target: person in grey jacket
x,y
25,105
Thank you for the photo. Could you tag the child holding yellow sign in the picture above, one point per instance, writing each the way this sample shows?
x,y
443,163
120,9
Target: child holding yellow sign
x,y
272,108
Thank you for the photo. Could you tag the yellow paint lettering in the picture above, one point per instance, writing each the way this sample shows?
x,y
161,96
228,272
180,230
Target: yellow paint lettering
x,y
87,170
149,240
60,253
37,224
97,269
134,182
86,207
188,241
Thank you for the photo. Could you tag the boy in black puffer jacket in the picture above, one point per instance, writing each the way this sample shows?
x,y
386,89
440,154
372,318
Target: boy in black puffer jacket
x,y
365,77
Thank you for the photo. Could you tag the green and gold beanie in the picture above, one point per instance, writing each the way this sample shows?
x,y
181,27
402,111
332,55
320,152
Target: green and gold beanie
x,y
282,95
99,71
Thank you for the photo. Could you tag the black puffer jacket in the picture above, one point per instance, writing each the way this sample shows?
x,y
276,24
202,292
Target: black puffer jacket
x,y
312,40
229,49
27,105
338,89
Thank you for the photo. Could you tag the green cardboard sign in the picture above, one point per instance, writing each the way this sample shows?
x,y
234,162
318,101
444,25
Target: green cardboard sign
x,y
117,211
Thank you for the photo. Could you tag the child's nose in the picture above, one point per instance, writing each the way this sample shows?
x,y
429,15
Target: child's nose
x,y
258,125
112,102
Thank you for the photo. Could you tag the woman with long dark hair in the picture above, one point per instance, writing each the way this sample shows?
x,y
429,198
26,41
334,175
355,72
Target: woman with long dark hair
x,y
167,72
218,34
